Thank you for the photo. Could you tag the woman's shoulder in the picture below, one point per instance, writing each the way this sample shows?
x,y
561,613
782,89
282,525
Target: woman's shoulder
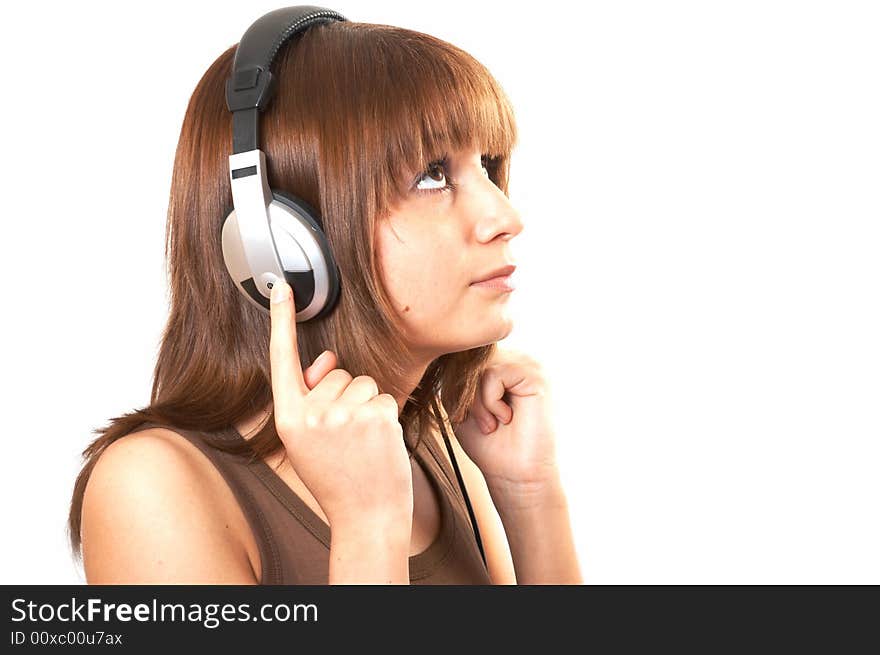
x,y
153,452
154,437
153,506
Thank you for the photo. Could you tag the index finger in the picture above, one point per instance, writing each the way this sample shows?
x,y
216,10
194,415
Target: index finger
x,y
288,383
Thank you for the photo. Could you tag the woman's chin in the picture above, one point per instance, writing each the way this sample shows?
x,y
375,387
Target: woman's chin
x,y
495,332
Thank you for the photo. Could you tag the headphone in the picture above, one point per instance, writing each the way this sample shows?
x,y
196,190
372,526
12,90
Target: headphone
x,y
270,233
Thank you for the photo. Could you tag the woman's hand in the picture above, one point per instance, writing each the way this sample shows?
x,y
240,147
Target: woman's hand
x,y
343,437
508,432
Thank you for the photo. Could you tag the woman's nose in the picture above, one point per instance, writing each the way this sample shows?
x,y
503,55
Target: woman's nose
x,y
497,216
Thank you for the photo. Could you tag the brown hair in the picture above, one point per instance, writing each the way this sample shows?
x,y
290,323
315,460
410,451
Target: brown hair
x,y
357,106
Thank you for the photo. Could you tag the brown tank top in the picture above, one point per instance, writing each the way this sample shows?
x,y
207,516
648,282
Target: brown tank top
x,y
294,542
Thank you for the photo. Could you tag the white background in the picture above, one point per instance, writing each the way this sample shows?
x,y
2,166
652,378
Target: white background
x,y
699,269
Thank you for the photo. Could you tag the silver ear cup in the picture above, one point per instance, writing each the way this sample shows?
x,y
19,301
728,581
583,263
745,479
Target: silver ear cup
x,y
305,256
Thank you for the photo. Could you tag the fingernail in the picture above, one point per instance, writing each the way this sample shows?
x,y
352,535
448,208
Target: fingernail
x,y
280,291
321,357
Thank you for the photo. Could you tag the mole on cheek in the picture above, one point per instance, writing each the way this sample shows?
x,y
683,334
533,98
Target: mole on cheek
x,y
406,309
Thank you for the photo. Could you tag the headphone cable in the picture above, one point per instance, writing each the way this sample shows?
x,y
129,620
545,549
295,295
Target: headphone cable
x,y
467,501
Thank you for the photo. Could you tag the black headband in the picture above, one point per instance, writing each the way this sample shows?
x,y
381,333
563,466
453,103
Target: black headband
x,y
251,85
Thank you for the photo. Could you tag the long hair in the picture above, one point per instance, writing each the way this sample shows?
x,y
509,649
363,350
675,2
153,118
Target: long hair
x,y
357,105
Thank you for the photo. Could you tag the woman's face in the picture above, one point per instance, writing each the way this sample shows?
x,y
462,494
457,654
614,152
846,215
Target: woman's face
x,y
452,229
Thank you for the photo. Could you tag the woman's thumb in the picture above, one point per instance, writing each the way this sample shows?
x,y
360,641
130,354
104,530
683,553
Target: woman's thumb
x,y
323,364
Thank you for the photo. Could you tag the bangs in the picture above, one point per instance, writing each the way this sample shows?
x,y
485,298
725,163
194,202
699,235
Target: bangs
x,y
427,97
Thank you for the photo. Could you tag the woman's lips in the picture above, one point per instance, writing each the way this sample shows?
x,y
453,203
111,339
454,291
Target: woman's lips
x,y
502,282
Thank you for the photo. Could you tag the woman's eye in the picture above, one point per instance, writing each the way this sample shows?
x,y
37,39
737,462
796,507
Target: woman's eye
x,y
436,172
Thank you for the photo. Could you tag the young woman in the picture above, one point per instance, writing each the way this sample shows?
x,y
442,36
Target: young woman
x,y
258,462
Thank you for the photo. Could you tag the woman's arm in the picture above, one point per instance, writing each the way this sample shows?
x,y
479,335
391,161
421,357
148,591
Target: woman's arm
x,y
539,548
538,530
370,550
